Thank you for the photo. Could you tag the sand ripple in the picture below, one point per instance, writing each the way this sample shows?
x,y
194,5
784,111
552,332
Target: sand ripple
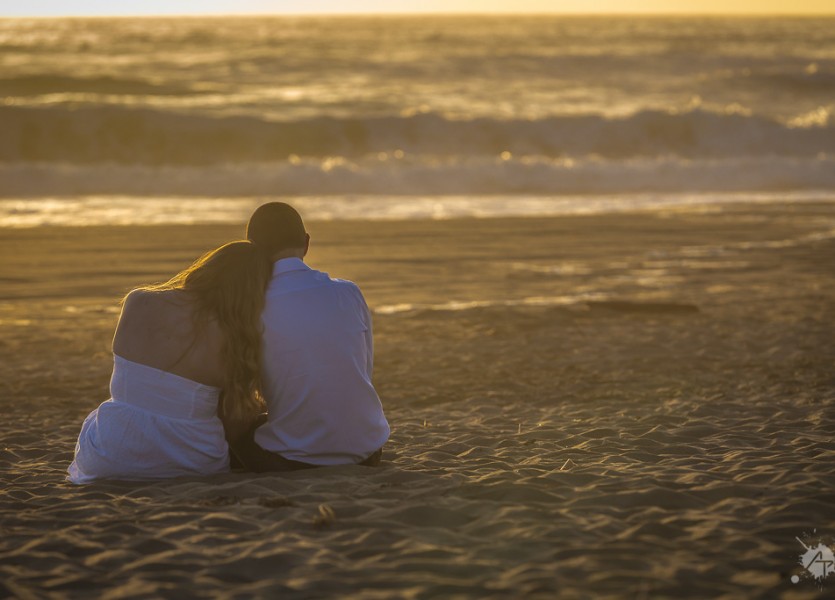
x,y
628,450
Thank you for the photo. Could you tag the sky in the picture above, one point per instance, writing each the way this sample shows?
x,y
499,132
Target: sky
x,y
46,8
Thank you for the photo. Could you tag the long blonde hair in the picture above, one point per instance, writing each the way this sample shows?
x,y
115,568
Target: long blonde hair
x,y
227,285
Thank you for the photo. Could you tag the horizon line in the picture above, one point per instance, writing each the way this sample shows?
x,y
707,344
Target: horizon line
x,y
433,14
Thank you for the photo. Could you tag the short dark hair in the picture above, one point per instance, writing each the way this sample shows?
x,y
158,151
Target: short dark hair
x,y
276,226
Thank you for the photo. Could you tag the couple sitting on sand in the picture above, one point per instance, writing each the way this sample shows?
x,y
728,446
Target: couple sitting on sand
x,y
248,326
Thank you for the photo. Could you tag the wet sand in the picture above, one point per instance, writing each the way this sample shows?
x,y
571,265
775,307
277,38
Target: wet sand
x,y
636,406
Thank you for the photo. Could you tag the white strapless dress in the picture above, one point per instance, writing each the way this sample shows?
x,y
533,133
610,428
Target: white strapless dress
x,y
155,425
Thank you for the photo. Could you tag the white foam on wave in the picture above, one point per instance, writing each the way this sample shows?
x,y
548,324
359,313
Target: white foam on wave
x,y
111,134
121,210
399,173
717,251
457,305
134,210
561,269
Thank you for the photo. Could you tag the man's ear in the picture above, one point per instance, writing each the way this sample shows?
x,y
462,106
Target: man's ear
x,y
306,243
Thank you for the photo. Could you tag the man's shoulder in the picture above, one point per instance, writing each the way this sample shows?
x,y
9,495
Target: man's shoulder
x,y
335,281
313,281
345,287
346,283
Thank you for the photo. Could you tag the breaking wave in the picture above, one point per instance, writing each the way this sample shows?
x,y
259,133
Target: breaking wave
x,y
33,85
389,175
156,137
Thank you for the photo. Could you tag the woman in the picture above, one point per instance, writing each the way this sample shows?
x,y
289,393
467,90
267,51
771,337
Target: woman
x,y
185,378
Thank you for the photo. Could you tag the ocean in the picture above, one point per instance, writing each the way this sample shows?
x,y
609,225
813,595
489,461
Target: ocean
x,y
179,120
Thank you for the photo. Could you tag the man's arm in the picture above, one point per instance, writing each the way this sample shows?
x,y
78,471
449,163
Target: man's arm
x,y
369,334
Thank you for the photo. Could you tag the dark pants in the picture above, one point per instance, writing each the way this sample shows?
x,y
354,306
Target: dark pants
x,y
252,457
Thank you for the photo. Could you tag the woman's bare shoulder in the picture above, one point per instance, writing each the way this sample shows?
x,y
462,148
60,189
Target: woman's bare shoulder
x,y
147,313
153,325
157,328
157,302
137,300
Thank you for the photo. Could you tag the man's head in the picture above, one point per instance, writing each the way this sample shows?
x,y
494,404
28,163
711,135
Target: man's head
x,y
277,228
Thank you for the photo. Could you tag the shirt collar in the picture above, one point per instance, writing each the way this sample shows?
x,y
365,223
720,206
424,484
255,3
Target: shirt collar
x,y
287,265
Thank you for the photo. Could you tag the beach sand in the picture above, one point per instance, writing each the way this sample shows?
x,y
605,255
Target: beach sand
x,y
628,406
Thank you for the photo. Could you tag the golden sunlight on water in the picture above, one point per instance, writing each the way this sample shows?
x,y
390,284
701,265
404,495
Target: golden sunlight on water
x,y
412,108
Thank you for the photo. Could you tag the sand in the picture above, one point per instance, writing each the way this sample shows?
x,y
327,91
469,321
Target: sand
x,y
624,406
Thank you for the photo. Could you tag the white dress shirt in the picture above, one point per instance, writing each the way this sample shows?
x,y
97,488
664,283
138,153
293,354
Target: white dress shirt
x,y
318,356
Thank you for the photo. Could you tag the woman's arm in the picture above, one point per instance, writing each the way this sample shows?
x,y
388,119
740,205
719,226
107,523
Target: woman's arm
x,y
242,422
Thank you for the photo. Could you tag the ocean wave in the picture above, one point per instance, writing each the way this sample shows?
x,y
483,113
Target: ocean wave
x,y
146,136
393,174
577,303
455,306
803,81
34,85
136,210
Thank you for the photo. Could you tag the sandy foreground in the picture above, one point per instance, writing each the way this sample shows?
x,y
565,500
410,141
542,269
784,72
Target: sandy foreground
x,y
633,406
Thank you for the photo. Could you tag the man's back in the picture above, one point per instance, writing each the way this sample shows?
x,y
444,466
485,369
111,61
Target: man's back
x,y
318,356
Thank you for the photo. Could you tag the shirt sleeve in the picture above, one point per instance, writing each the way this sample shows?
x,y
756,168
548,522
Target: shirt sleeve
x,y
369,334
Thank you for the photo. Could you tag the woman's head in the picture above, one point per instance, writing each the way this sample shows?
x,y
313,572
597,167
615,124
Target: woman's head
x,y
228,281
227,285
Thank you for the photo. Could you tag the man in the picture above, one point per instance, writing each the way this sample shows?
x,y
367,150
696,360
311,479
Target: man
x,y
317,360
